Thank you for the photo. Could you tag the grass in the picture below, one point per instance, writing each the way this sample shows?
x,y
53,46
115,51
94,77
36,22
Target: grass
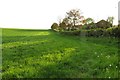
x,y
47,54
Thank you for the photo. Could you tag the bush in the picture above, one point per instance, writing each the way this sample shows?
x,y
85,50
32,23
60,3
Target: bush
x,y
95,32
114,31
71,32
55,27
98,32
90,26
110,32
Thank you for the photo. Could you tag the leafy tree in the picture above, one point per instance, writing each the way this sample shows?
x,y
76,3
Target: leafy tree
x,y
89,20
55,26
68,24
62,26
91,26
110,20
66,21
89,23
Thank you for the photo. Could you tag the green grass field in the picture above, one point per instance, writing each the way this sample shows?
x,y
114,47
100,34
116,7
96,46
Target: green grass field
x,y
48,54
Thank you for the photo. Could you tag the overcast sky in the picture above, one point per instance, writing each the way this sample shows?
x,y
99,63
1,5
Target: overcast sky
x,y
40,14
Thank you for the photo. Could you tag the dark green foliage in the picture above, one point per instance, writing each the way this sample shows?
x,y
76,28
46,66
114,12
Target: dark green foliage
x,y
90,26
114,31
62,26
71,33
99,32
95,32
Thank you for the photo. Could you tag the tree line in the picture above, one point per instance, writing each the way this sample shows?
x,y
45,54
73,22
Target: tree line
x,y
75,23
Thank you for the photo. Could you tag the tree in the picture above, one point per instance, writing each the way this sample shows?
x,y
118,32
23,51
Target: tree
x,y
89,20
89,23
62,26
55,27
91,26
74,18
68,23
110,20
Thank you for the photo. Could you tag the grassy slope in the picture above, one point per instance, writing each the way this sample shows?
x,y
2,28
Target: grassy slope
x,y
34,53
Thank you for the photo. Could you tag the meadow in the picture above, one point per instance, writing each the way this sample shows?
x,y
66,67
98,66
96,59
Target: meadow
x,y
48,54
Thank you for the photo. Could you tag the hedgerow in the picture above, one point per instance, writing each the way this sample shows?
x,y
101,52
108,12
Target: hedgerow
x,y
98,32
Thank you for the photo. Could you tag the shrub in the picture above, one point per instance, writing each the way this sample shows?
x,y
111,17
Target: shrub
x,y
109,31
55,27
71,32
98,32
95,32
90,26
116,31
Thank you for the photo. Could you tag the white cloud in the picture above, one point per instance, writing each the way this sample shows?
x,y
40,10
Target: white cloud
x,y
42,13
